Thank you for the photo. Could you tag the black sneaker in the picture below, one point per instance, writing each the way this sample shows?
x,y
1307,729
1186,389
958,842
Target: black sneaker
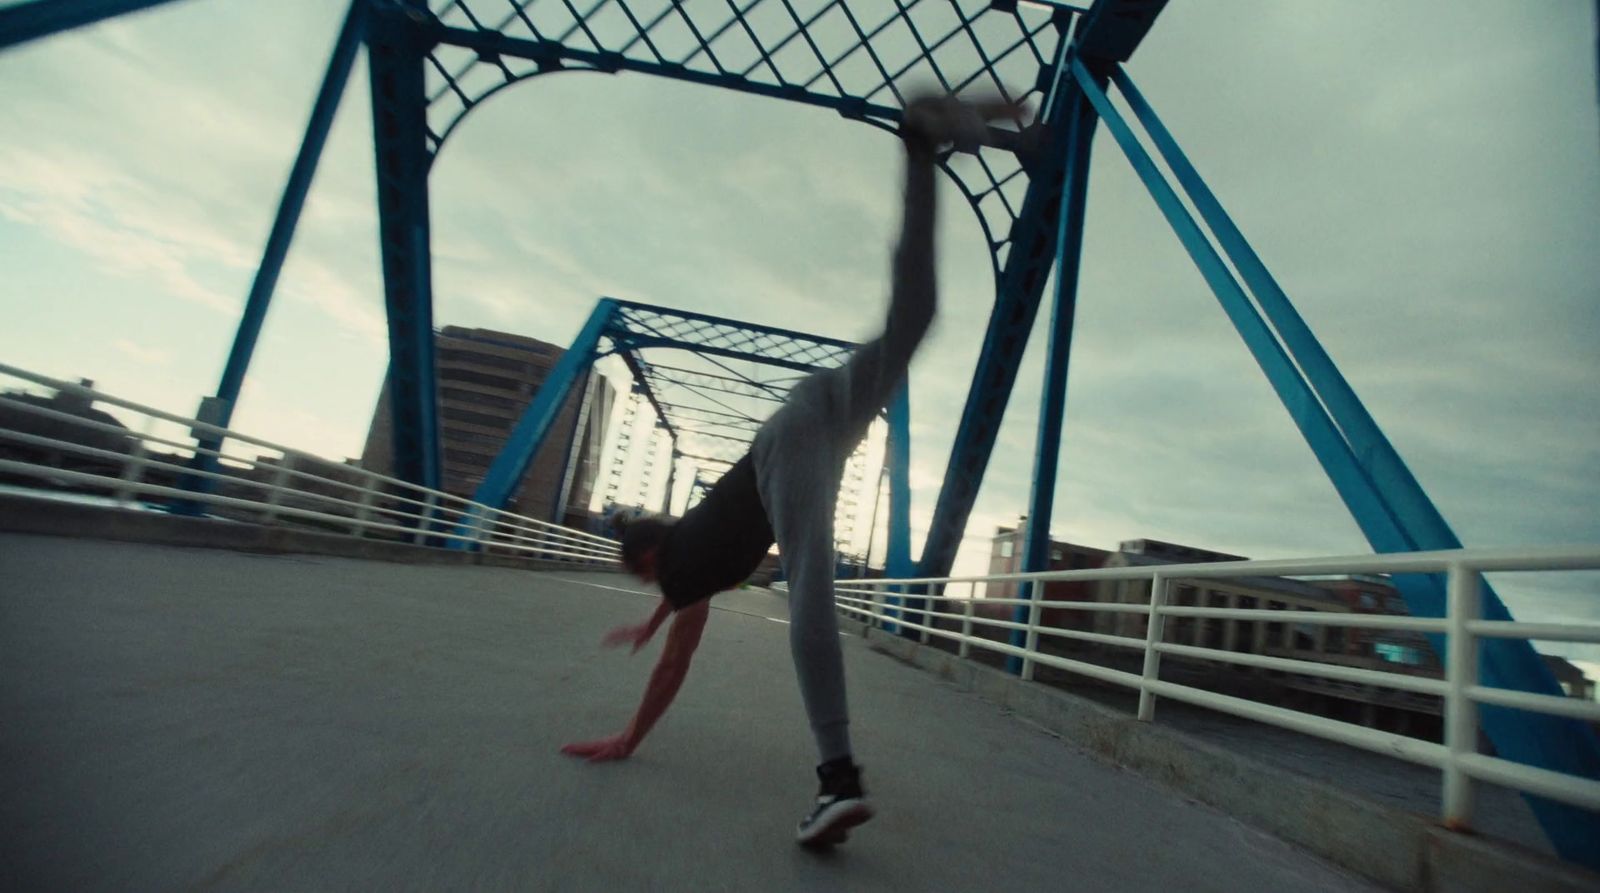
x,y
841,805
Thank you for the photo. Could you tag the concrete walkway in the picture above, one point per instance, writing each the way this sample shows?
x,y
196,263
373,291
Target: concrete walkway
x,y
192,719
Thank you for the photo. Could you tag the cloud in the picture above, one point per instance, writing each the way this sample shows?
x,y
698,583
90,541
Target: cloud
x,y
145,356
1436,228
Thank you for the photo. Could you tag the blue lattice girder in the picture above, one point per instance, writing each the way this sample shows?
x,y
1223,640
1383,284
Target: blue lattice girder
x,y
629,328
643,325
728,400
660,376
860,59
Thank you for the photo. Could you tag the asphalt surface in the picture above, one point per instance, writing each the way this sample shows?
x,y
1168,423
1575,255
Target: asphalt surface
x,y
196,719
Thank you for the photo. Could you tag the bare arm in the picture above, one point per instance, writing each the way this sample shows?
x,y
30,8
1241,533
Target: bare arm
x,y
683,637
638,635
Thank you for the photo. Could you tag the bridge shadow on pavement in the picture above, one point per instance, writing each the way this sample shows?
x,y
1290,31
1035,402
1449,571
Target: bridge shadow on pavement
x,y
188,718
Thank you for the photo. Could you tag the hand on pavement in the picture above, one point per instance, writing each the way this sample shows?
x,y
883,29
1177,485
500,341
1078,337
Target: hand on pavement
x,y
614,748
636,635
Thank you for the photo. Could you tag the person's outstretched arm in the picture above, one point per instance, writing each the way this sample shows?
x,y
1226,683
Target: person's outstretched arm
x,y
638,635
683,637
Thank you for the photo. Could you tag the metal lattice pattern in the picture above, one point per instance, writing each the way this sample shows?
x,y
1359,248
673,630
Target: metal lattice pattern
x,y
723,379
643,326
861,58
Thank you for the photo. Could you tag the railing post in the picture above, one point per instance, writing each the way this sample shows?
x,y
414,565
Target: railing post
x,y
132,473
928,601
1464,602
483,530
364,506
966,621
1035,589
425,521
275,488
1152,637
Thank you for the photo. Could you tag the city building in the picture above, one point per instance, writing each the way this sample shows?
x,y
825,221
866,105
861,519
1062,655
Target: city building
x,y
486,380
1374,649
1005,557
61,416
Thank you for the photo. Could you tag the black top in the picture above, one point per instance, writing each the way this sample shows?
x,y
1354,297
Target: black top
x,y
719,543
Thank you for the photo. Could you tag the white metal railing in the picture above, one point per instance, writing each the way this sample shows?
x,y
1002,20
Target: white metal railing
x,y
951,617
292,488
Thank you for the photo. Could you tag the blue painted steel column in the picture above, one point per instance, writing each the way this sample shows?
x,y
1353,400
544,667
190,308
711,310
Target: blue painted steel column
x,y
1021,285
1540,740
500,481
396,47
897,558
42,18
1047,451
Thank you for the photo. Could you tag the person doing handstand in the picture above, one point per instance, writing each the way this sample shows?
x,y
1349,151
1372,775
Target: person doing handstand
x,y
785,489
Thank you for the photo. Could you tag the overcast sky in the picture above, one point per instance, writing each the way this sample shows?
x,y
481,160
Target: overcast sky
x,y
1423,179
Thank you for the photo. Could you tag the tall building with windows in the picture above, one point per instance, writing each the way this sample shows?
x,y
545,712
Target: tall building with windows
x,y
486,381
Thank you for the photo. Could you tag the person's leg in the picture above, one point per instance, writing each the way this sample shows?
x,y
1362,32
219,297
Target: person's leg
x,y
800,454
799,484
799,487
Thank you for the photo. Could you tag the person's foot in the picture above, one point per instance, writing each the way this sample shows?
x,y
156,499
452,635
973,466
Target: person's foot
x,y
933,122
841,805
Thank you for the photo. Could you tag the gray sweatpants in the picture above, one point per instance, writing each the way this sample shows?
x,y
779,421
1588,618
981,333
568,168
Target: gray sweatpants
x,y
799,456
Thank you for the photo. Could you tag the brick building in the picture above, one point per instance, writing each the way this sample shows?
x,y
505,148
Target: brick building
x,y
486,380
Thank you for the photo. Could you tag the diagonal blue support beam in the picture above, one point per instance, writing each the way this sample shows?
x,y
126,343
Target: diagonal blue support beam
x,y
291,204
42,18
501,480
1047,451
1338,461
218,410
1376,455
1540,740
396,48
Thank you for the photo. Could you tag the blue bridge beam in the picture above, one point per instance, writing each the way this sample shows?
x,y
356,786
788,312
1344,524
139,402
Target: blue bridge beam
x,y
1069,250
219,410
395,50
1385,500
42,18
1110,31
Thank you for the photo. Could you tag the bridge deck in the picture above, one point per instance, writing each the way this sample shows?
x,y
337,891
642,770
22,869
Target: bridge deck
x,y
194,718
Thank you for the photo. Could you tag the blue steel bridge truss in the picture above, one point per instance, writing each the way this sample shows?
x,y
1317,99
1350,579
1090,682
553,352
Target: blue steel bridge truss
x,y
431,64
710,413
